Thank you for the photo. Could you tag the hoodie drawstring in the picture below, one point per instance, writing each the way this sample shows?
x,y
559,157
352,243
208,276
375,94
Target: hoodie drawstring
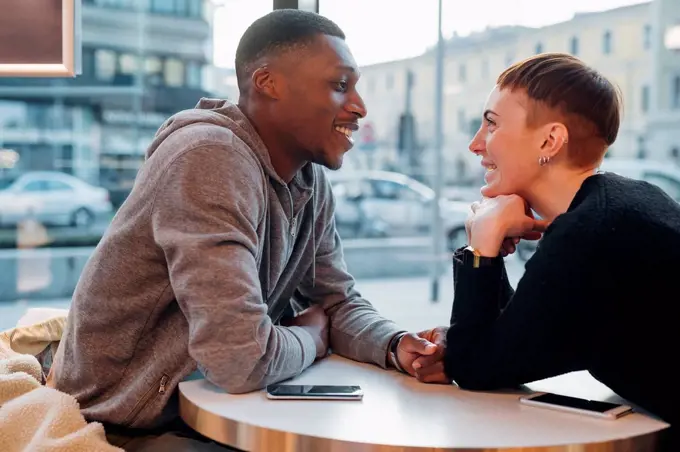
x,y
314,240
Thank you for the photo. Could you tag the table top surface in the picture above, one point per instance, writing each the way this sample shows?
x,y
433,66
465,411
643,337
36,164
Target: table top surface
x,y
397,410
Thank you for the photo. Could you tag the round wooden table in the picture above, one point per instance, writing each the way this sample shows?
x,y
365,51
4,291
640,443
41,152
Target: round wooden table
x,y
400,414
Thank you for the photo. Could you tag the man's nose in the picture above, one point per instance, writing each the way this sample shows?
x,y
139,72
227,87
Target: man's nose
x,y
357,106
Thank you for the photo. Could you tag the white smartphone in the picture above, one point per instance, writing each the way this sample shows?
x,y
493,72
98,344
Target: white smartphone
x,y
314,392
595,408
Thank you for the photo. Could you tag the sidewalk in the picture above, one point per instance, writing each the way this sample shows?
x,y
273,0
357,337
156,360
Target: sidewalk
x,y
407,300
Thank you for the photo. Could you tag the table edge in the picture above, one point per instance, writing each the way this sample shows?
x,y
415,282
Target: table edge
x,y
252,438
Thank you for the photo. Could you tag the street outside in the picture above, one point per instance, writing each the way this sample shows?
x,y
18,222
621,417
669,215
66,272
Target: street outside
x,y
406,300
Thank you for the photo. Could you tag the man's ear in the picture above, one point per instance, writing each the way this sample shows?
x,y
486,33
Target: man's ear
x,y
264,82
555,139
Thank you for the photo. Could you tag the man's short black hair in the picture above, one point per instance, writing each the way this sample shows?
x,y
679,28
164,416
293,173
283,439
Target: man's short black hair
x,y
279,31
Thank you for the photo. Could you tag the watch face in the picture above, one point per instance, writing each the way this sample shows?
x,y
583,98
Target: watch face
x,y
469,258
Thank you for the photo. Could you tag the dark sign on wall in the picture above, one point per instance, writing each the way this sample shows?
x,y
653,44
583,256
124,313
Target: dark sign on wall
x,y
38,38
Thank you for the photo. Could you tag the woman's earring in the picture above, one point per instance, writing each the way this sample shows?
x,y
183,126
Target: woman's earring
x,y
543,160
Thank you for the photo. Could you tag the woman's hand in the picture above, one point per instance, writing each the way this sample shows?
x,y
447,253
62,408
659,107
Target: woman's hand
x,y
495,225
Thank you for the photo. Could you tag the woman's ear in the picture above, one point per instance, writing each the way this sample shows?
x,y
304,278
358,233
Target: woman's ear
x,y
556,138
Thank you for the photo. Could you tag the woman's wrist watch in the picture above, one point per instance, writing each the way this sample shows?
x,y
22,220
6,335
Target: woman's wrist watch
x,y
473,258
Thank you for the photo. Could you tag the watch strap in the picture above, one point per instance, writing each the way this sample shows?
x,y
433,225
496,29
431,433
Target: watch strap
x,y
393,346
472,258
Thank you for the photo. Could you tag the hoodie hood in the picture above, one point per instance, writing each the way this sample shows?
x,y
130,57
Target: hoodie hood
x,y
221,113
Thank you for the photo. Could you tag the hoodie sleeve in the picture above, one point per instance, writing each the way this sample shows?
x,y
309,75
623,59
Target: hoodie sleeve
x,y
357,331
205,216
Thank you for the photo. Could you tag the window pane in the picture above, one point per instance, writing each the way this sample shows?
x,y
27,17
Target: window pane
x,y
607,43
163,6
647,37
105,64
128,64
574,46
384,189
195,8
181,7
57,185
34,186
194,75
153,67
645,99
174,72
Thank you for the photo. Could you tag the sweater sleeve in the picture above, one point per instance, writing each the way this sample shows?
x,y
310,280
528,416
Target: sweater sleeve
x,y
545,329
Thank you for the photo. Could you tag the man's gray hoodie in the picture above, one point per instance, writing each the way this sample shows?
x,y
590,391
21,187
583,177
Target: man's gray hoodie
x,y
196,270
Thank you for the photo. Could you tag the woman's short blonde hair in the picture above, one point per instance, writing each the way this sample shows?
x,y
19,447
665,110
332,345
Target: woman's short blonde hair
x,y
561,87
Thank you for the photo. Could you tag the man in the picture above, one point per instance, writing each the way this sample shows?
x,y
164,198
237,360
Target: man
x,y
230,219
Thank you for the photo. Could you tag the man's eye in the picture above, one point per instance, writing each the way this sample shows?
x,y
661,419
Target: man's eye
x,y
341,86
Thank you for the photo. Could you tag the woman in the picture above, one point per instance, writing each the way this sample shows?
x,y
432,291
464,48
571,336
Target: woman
x,y
600,292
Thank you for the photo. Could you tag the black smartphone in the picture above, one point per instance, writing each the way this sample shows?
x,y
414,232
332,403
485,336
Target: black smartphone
x,y
595,408
314,392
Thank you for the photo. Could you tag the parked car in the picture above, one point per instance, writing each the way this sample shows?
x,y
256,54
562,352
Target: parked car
x,y
52,198
385,203
468,194
664,175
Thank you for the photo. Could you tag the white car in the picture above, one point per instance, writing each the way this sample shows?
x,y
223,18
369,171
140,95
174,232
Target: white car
x,y
53,198
664,175
392,203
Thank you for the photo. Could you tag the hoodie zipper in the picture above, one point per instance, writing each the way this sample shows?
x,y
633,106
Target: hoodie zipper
x,y
293,223
164,381
146,398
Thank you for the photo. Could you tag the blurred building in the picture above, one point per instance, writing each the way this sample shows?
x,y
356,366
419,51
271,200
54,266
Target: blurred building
x,y
142,60
221,83
626,44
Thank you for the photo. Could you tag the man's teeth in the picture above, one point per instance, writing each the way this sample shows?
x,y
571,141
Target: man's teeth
x,y
491,167
345,130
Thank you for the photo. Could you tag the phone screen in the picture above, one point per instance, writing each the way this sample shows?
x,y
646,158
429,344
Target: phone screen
x,y
313,390
573,402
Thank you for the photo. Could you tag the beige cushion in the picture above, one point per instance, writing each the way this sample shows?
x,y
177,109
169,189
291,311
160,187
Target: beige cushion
x,y
39,315
39,339
33,339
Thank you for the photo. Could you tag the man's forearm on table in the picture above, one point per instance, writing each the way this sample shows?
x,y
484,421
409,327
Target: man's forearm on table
x,y
358,332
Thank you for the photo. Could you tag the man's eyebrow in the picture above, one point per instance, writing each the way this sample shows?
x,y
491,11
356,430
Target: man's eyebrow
x,y
344,67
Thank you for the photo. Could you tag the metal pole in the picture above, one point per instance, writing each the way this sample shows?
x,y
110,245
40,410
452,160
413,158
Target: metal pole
x,y
657,59
139,82
59,128
306,5
408,132
437,238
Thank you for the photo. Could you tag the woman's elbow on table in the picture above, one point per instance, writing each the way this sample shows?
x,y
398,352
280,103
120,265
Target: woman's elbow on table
x,y
474,384
470,373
